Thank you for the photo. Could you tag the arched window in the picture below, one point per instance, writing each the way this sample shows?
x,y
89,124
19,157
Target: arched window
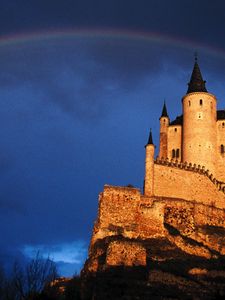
x,y
175,129
177,153
173,153
189,103
222,149
200,102
223,124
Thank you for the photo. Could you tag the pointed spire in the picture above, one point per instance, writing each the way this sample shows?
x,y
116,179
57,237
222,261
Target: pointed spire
x,y
164,110
150,140
196,84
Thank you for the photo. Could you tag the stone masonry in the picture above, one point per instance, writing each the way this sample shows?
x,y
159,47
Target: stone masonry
x,y
167,242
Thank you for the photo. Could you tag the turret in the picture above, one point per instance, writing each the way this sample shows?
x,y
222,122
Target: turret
x,y
149,167
199,122
164,124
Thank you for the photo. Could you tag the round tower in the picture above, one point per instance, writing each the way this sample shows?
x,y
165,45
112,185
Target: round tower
x,y
164,124
149,167
199,123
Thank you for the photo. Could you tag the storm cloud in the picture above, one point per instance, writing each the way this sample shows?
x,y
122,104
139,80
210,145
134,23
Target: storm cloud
x,y
75,111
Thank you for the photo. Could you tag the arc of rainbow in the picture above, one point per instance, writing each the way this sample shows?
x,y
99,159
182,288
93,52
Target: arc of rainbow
x,y
152,37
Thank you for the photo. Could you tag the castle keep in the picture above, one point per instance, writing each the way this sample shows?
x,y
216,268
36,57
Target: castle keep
x,y
174,231
193,141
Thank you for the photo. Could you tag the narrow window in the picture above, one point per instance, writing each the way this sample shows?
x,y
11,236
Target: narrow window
x,y
223,124
177,153
173,153
175,129
200,102
189,103
222,149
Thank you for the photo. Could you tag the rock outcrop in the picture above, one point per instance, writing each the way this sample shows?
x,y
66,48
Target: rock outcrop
x,y
155,248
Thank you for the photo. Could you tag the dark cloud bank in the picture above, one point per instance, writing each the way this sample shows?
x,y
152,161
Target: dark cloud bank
x,y
75,113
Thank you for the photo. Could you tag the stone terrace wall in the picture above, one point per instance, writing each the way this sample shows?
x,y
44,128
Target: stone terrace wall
x,y
173,182
117,211
124,211
118,205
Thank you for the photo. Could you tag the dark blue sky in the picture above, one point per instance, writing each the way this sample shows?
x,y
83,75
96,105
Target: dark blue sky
x,y
75,109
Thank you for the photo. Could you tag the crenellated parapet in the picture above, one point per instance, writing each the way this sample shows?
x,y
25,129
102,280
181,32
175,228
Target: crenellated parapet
x,y
220,185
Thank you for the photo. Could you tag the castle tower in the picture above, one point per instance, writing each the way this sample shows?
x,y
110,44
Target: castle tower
x,y
199,123
149,167
164,124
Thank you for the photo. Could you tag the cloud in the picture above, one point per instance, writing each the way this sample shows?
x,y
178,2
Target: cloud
x,y
69,257
75,115
86,78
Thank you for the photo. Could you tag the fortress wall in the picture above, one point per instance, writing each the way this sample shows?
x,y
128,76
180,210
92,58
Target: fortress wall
x,y
220,162
178,183
118,207
184,214
198,222
124,211
151,218
174,140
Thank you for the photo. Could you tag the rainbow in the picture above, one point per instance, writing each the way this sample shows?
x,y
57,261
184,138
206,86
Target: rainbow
x,y
155,38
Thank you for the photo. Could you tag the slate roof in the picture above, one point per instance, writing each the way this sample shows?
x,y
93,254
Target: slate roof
x,y
150,140
196,84
221,114
164,111
177,121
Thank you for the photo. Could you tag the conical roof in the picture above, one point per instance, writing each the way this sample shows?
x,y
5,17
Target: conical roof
x,y
164,111
150,140
196,84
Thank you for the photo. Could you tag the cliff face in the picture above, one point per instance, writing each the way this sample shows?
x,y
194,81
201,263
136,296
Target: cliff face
x,y
155,248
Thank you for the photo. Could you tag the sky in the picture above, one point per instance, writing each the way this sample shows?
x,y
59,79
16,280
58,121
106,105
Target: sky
x,y
81,84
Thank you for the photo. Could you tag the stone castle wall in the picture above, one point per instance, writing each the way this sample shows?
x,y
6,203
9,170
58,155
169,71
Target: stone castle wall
x,y
171,139
174,141
186,210
125,211
129,223
175,182
220,161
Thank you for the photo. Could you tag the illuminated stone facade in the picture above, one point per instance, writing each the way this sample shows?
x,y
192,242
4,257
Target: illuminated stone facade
x,y
179,217
198,135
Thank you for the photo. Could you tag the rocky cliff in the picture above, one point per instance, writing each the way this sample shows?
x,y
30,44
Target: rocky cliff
x,y
155,248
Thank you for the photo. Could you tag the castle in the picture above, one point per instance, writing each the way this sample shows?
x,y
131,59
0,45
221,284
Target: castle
x,y
179,218
196,138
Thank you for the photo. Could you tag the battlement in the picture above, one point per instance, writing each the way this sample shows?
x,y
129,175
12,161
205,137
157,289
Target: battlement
x,y
186,181
220,185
